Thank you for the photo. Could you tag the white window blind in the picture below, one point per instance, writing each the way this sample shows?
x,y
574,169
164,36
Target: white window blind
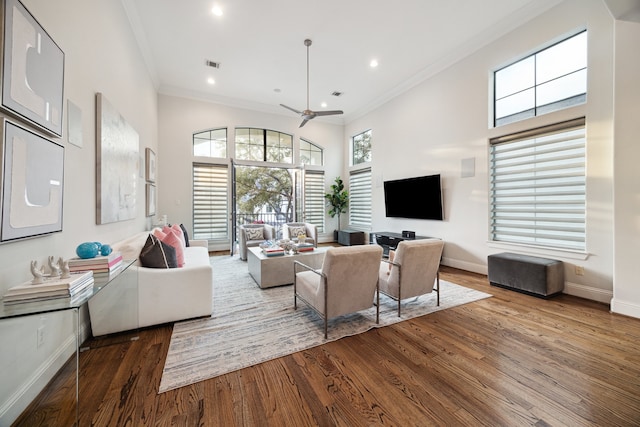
x,y
538,187
314,199
360,199
210,202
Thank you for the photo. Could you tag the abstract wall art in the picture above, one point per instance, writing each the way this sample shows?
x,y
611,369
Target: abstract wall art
x,y
32,183
33,71
117,163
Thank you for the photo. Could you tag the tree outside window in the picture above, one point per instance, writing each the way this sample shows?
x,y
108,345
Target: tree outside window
x,y
361,147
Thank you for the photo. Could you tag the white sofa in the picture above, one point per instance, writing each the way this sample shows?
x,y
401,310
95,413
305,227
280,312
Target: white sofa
x,y
144,296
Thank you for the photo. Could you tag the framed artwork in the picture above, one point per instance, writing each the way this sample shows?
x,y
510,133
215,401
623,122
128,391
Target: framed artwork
x,y
74,124
32,183
117,163
151,199
33,71
150,162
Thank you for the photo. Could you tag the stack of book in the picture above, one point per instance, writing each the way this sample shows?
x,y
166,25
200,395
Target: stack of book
x,y
273,251
100,265
51,288
304,247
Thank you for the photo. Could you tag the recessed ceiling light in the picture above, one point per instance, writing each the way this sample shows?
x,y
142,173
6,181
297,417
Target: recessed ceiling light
x,y
373,63
217,10
323,105
211,81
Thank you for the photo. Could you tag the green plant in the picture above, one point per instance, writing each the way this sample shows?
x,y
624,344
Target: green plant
x,y
337,199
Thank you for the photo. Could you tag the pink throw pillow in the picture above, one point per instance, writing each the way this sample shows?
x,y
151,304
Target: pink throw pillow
x,y
159,234
178,233
173,240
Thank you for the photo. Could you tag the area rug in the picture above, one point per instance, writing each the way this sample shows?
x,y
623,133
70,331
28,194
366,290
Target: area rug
x,y
250,325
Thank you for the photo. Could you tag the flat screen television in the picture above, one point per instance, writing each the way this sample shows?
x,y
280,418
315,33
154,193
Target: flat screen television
x,y
417,198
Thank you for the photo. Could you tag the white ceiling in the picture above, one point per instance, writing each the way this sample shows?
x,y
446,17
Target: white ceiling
x,y
260,45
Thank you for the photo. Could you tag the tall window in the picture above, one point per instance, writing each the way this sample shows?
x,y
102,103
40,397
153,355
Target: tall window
x,y
538,187
549,80
361,148
210,201
210,143
314,198
310,153
264,145
360,199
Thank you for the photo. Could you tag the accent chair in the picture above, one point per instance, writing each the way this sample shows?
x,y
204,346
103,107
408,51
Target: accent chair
x,y
291,230
253,235
346,283
413,269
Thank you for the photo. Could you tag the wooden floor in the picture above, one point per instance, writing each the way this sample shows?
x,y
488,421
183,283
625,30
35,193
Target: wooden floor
x,y
509,360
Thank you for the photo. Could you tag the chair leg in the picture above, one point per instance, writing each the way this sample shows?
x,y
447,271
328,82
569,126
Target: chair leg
x,y
325,327
438,287
377,304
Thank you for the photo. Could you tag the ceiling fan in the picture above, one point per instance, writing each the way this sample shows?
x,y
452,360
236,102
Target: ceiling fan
x,y
309,114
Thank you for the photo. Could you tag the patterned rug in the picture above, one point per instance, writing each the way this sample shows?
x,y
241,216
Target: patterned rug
x,y
252,325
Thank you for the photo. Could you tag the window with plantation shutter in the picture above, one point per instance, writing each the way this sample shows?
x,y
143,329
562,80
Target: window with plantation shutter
x,y
210,202
538,187
314,198
360,199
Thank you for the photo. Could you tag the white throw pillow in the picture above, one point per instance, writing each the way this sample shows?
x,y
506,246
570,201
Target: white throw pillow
x,y
294,232
254,233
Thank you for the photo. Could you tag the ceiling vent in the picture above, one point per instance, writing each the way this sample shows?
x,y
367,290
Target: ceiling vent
x,y
212,64
336,93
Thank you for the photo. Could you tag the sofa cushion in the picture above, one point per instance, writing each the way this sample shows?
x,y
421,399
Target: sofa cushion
x,y
186,235
156,254
174,241
254,233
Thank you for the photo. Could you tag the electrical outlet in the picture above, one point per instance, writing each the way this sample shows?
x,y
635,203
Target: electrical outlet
x,y
579,270
40,333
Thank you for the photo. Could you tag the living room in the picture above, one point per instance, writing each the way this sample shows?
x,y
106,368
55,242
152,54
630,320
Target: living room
x,y
429,127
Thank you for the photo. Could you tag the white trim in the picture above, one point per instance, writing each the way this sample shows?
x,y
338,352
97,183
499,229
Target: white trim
x,y
588,292
625,308
539,250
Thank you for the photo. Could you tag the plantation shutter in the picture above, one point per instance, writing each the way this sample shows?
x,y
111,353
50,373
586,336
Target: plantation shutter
x,y
360,199
210,202
314,198
538,187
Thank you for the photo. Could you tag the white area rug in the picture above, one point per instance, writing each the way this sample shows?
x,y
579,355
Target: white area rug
x,y
252,325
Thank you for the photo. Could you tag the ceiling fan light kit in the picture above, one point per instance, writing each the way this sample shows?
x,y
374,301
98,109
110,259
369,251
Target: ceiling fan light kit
x,y
309,114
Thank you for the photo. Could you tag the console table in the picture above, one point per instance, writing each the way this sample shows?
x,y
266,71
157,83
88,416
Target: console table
x,y
61,305
389,241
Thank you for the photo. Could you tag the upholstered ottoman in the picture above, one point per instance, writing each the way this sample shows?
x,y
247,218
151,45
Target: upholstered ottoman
x,y
537,276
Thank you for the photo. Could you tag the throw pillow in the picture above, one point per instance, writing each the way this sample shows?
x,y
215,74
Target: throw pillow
x,y
159,233
254,233
156,254
173,240
174,229
295,231
186,235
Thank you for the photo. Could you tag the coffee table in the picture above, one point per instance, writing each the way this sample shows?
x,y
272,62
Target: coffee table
x,y
278,270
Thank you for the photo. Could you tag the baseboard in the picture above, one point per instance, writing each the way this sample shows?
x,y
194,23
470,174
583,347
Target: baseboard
x,y
625,308
463,265
588,292
35,383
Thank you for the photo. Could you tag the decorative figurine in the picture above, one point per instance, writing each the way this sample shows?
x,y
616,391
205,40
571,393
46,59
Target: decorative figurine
x,y
38,274
55,268
66,273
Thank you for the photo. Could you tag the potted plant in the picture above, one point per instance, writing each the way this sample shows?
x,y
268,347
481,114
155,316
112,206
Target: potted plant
x,y
337,201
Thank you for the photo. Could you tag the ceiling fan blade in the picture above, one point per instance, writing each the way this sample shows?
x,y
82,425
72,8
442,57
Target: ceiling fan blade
x,y
292,109
304,122
328,113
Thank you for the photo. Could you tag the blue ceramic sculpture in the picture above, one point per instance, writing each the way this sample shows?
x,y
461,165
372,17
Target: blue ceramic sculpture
x,y
87,250
105,250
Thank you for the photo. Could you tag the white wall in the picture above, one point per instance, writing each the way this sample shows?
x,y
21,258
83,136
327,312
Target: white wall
x,y
434,126
101,55
627,173
180,118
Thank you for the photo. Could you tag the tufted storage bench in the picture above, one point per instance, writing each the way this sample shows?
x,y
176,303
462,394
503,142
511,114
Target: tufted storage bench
x,y
533,275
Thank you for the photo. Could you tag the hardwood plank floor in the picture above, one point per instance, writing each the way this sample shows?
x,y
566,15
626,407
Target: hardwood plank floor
x,y
509,360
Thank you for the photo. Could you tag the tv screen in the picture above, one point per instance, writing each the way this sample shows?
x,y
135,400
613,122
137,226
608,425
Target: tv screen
x,y
418,198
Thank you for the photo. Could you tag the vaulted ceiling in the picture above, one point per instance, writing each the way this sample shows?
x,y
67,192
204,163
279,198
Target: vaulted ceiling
x,y
259,45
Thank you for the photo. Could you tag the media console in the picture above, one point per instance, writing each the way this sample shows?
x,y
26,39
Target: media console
x,y
389,241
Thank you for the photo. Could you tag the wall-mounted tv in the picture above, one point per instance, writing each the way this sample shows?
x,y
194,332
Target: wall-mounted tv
x,y
418,198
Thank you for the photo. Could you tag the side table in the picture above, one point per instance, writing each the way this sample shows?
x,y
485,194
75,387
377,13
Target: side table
x,y
350,237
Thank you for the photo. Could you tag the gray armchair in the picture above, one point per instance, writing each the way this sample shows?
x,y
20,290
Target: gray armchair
x,y
412,271
253,235
291,230
346,283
